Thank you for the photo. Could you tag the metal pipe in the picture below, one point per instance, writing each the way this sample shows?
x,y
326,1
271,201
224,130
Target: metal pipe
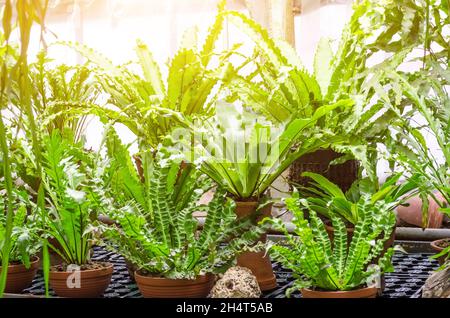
x,y
418,234
401,233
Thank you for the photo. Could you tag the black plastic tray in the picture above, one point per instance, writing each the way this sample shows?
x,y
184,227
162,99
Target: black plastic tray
x,y
411,271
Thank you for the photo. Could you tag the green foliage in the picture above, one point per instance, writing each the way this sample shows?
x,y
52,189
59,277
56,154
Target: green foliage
x,y
57,88
245,154
334,265
281,89
24,239
427,125
150,107
156,229
26,13
325,198
71,205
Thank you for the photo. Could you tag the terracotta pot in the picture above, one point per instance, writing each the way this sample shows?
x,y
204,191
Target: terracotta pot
x,y
258,263
343,175
435,245
131,268
368,292
93,283
20,277
412,213
158,287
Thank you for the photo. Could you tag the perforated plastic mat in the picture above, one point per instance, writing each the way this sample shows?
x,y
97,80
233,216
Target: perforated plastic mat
x,y
411,271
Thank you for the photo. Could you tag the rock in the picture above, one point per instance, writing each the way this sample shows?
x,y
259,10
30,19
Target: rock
x,y
437,285
237,282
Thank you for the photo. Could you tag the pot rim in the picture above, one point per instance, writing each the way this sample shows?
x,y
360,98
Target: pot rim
x,y
109,266
33,264
343,292
205,277
437,247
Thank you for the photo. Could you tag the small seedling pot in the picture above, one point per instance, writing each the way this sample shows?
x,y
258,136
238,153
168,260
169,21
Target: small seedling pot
x,y
20,277
160,287
258,262
438,246
367,292
92,282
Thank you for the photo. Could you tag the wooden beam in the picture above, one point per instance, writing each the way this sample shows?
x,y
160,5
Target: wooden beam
x,y
277,16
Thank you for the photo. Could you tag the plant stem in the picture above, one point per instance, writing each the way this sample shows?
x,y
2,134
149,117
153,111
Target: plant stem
x,y
9,213
427,31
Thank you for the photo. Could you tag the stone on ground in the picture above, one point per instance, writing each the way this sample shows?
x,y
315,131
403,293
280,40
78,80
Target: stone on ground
x,y
237,282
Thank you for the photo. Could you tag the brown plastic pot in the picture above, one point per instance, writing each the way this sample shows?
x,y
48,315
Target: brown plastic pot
x,y
435,245
159,287
20,277
368,292
258,263
343,175
93,283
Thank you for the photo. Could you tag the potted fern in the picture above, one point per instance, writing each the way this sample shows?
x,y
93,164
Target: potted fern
x,y
244,154
155,228
327,199
70,217
340,268
24,245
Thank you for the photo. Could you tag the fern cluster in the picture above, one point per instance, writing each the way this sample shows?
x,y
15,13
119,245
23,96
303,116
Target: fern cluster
x,y
163,239
71,207
245,154
25,241
338,264
155,228
281,88
150,106
326,198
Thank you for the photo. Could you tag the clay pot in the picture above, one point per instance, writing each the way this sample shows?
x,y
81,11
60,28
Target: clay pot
x,y
131,268
258,263
20,277
159,287
412,213
93,283
368,292
436,245
343,175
